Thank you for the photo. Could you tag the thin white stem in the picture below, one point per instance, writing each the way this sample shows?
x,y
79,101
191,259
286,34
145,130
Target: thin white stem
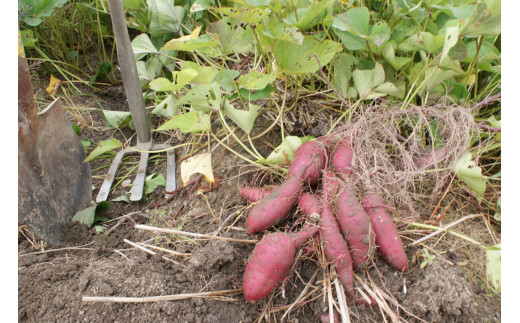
x,y
191,234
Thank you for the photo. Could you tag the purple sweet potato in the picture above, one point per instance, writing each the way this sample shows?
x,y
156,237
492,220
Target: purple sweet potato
x,y
255,194
273,208
355,225
388,240
309,204
343,159
312,155
335,247
271,261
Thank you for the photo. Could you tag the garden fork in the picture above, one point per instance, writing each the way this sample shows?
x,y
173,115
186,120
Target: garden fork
x,y
144,146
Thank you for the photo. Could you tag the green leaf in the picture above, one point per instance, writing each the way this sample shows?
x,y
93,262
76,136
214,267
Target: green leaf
x,y
254,94
343,64
234,35
309,16
494,265
143,45
437,75
180,79
148,70
366,80
116,119
351,41
203,97
451,38
190,45
468,171
389,55
188,122
151,182
484,20
131,4
32,11
256,80
380,33
284,153
244,119
167,107
355,20
280,32
421,41
103,147
90,215
102,71
391,89
205,74
165,17
299,59
226,78
77,130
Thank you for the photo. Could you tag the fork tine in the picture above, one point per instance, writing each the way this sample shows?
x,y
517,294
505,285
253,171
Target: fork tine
x,y
111,175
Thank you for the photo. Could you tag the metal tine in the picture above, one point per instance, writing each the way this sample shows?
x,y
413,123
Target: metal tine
x,y
171,182
111,175
137,188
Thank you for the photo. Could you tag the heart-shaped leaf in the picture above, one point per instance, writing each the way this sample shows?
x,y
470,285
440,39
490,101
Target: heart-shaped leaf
x,y
299,59
103,147
366,80
197,164
244,119
256,80
188,122
167,107
116,119
203,97
284,153
468,171
91,214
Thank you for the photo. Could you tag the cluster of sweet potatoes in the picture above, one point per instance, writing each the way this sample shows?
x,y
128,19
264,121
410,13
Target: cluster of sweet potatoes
x,y
348,229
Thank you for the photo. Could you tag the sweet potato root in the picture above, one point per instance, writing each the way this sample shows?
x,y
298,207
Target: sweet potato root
x,y
255,194
355,225
271,261
312,155
310,206
335,247
343,159
388,240
274,208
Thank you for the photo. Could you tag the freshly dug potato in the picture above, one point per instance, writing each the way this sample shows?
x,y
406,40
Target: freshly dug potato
x,y
388,241
273,208
255,194
312,156
271,261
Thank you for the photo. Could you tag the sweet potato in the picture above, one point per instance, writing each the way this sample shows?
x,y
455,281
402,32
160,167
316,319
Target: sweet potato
x,y
271,261
335,247
343,159
309,204
274,208
312,155
255,194
355,225
388,240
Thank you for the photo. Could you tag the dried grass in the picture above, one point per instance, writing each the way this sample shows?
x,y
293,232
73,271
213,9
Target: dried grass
x,y
389,142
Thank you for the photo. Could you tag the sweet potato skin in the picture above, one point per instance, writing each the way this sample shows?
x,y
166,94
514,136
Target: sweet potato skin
x,y
335,247
343,159
255,194
273,208
388,240
271,261
308,204
355,225
309,153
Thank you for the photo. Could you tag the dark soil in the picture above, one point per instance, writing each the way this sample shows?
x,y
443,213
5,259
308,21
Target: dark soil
x,y
51,284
